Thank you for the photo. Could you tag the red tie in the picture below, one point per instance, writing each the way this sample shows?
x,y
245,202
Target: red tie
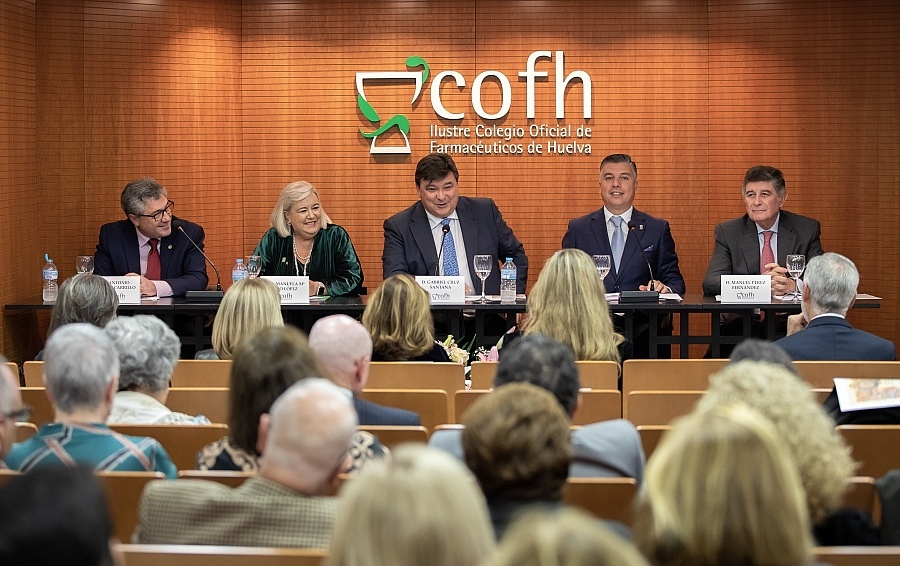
x,y
767,255
153,267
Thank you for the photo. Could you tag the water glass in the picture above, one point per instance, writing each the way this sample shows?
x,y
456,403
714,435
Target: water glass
x,y
254,266
84,264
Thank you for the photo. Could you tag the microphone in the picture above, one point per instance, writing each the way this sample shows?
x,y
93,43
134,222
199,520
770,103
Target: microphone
x,y
202,295
649,296
445,230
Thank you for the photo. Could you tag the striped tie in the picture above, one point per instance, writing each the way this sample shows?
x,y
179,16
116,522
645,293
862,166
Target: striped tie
x,y
451,267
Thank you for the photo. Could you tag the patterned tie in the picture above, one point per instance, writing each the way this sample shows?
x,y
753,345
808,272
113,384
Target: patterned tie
x,y
450,265
153,267
618,242
767,255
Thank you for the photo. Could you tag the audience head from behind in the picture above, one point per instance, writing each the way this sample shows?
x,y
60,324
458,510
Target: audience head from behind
x,y
568,304
544,362
308,434
830,283
55,515
756,350
148,352
566,537
84,298
420,507
248,306
398,317
818,451
721,489
344,350
11,408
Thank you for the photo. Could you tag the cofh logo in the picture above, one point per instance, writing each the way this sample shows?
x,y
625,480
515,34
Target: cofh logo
x,y
418,73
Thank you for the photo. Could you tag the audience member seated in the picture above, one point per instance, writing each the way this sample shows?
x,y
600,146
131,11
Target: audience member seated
x,y
11,410
148,351
247,307
567,537
719,490
306,438
265,366
568,304
398,316
421,507
756,350
820,455
83,298
55,516
516,443
604,449
81,372
344,349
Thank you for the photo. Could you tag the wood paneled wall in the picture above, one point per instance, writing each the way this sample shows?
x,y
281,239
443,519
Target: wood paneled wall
x,y
227,101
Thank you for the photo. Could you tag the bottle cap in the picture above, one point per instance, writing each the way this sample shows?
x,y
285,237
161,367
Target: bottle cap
x,y
509,259
47,258
240,260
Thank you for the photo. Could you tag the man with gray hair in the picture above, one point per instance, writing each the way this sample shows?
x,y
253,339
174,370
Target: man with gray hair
x,y
146,244
81,373
307,435
11,409
344,349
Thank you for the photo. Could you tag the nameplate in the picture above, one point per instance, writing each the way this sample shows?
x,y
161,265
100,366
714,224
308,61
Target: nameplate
x,y
294,290
746,288
127,288
444,289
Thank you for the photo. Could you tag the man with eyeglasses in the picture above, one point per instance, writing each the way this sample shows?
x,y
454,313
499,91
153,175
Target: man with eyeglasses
x,y
147,244
11,409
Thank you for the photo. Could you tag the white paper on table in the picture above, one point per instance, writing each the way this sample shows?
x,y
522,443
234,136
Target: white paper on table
x,y
857,394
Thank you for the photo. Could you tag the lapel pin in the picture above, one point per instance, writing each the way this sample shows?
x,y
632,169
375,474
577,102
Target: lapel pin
x,y
170,246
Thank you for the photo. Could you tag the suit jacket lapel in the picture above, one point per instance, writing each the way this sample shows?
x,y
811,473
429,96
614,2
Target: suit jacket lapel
x,y
131,249
750,247
468,223
787,239
421,232
165,255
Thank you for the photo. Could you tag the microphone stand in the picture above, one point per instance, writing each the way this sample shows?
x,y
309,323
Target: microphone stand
x,y
650,296
203,295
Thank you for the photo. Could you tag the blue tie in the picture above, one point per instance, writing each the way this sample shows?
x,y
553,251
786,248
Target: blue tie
x,y
618,242
450,265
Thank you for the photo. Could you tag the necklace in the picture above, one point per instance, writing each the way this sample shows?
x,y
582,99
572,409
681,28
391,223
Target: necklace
x,y
299,259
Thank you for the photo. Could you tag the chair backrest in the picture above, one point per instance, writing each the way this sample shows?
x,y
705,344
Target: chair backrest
x,y
182,442
821,374
651,436
874,447
391,436
659,407
14,368
34,374
593,375
211,402
862,495
666,375
201,373
446,376
432,405
605,498
24,431
198,555
464,399
598,405
37,398
231,479
857,555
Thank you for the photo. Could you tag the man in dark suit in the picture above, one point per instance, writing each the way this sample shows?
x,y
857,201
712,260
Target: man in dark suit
x,y
595,234
822,332
413,237
146,244
344,350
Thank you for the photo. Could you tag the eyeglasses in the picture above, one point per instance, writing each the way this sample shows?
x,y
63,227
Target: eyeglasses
x,y
158,215
19,415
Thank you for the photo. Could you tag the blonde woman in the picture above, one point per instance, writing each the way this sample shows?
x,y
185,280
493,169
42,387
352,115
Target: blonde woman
x,y
721,489
421,507
247,307
303,241
398,316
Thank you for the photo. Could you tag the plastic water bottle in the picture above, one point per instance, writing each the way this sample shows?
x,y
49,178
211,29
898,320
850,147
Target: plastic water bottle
x,y
239,271
508,276
50,275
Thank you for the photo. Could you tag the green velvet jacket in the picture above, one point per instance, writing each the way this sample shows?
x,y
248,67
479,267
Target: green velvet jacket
x,y
334,261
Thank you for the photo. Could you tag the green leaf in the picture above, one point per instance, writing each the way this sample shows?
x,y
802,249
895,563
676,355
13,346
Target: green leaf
x,y
367,109
416,61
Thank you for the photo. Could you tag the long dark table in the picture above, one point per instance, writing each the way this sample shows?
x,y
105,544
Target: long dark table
x,y
191,319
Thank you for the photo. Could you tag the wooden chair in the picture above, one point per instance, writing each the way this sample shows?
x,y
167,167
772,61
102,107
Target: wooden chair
x,y
182,442
391,436
857,555
14,368
202,373
24,431
874,447
34,374
596,405
432,405
821,374
605,498
659,407
666,375
593,375
448,377
651,436
231,479
862,495
211,402
463,399
37,398
197,555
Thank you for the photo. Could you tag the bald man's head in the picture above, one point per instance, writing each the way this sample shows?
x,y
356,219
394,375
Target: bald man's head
x,y
344,349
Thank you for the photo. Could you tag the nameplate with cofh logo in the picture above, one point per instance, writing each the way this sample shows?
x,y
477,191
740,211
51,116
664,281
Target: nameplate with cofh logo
x,y
444,289
294,290
746,288
127,288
